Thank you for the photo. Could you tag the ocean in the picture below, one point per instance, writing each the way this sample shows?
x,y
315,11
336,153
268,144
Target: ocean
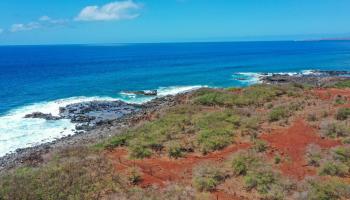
x,y
43,78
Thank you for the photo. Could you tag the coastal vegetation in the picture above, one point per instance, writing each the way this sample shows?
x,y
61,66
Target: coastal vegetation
x,y
213,144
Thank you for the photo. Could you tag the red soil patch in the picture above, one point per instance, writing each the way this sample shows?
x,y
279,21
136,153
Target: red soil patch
x,y
161,170
292,143
330,93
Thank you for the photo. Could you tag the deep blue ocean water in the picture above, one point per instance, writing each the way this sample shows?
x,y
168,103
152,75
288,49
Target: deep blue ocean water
x,y
46,77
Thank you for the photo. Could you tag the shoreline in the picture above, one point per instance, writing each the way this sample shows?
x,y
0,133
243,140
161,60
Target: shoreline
x,y
34,155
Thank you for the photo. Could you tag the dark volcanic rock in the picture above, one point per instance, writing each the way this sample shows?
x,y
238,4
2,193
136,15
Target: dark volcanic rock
x,y
40,115
88,115
316,78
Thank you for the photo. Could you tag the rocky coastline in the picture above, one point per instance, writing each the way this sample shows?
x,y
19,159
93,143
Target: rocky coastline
x,y
97,120
317,78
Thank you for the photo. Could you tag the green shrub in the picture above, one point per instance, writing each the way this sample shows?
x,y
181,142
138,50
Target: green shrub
x,y
119,140
134,176
76,174
334,169
277,159
336,129
278,113
343,84
213,140
262,180
244,161
175,151
260,146
216,130
330,189
343,113
206,177
339,100
139,150
342,154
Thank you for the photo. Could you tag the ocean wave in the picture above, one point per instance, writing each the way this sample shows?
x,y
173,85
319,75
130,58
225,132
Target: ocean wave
x,y
18,132
162,91
256,77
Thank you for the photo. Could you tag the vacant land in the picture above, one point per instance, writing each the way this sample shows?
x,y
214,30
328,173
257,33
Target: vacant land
x,y
260,142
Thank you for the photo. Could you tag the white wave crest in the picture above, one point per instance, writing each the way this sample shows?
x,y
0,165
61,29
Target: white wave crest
x,y
18,132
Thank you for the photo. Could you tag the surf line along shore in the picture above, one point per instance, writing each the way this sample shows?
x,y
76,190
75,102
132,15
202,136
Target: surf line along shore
x,y
95,120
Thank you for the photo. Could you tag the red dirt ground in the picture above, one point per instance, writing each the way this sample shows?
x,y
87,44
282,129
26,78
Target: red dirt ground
x,y
327,94
161,170
291,143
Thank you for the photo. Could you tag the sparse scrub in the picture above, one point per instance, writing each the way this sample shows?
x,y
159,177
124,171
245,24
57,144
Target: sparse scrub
x,y
134,176
335,129
342,154
260,146
207,176
343,113
334,169
175,151
277,159
77,174
278,113
243,161
330,189
313,155
261,179
342,84
216,130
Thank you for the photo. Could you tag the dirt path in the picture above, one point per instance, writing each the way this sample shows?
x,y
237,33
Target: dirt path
x,y
291,143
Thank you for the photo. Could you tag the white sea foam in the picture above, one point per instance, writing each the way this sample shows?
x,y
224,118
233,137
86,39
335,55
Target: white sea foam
x,y
162,91
255,77
248,77
18,132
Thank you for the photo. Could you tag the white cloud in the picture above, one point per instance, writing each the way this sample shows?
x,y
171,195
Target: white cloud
x,y
42,22
44,18
24,27
118,10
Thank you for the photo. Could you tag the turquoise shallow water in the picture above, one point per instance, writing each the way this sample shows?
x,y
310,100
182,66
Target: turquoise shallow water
x,y
42,78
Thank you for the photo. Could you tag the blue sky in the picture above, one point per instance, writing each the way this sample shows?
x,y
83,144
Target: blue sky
x,y
108,21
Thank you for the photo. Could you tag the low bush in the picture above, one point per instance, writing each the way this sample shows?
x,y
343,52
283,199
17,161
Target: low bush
x,y
278,113
335,129
342,84
342,154
139,150
260,146
175,151
313,155
334,169
134,176
262,180
343,113
243,161
277,159
78,174
330,189
216,130
207,176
